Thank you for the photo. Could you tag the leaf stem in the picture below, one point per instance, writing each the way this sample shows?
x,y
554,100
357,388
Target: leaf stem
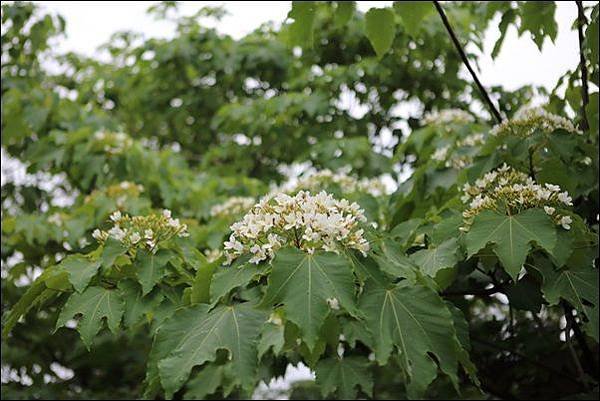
x,y
493,110
585,99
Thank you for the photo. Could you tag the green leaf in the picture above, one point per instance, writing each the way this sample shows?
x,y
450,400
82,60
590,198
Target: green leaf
x,y
202,281
200,333
444,256
380,29
94,304
137,305
412,14
111,251
344,12
301,30
512,236
150,267
537,17
81,270
226,278
415,320
272,337
578,286
344,375
303,283
206,382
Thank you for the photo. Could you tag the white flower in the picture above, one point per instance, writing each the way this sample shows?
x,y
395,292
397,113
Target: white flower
x,y
166,213
565,222
117,233
148,234
549,210
97,234
565,198
333,303
116,216
135,238
173,223
447,116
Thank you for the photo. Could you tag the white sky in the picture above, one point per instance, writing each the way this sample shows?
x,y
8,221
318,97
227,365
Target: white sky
x,y
90,24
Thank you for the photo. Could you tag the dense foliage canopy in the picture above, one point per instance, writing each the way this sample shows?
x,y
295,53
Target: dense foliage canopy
x,y
201,212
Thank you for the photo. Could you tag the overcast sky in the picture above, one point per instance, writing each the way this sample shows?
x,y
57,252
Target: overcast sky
x,y
90,24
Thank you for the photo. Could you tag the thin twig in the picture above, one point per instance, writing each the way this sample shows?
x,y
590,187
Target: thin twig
x,y
572,349
493,110
588,362
585,98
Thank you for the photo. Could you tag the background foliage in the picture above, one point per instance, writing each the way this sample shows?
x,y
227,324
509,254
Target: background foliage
x,y
431,312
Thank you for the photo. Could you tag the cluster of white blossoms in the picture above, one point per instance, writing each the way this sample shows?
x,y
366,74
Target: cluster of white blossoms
x,y
447,153
527,120
119,192
447,116
509,191
308,222
234,206
113,143
142,231
314,181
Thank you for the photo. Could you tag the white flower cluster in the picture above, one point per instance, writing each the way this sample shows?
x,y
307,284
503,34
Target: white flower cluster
x,y
314,181
509,191
447,116
113,143
142,231
447,153
308,222
234,206
119,192
527,121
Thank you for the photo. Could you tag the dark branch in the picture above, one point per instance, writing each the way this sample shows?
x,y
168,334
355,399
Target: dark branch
x,y
467,64
585,98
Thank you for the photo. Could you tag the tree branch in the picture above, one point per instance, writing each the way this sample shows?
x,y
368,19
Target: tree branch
x,y
585,98
493,110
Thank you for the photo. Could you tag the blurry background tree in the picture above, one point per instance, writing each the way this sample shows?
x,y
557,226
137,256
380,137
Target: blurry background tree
x,y
189,122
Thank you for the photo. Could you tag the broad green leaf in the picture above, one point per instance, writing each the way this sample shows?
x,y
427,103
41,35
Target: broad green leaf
x,y
344,12
200,333
578,286
432,260
380,29
150,267
412,14
414,320
512,236
301,30
81,270
94,304
111,251
343,376
303,283
200,292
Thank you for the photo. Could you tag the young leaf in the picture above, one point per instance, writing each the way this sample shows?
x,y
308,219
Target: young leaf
x,y
94,304
380,29
344,375
112,250
413,13
512,236
416,321
444,256
304,283
200,333
80,269
344,12
301,30
150,268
